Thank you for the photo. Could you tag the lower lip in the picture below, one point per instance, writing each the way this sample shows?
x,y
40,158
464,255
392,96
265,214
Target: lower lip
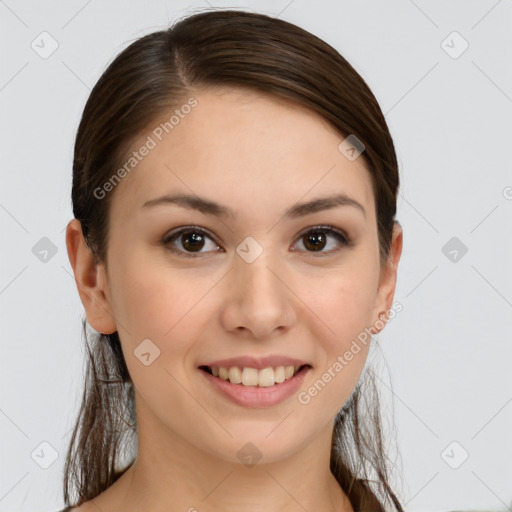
x,y
256,396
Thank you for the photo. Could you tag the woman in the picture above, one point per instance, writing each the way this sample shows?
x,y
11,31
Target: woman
x,y
235,247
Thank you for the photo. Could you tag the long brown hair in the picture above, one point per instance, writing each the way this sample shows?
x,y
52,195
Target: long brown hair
x,y
151,76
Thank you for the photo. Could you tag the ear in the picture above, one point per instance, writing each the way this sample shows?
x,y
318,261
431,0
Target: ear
x,y
90,278
387,282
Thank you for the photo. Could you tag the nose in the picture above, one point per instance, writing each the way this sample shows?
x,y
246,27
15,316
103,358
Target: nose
x,y
258,301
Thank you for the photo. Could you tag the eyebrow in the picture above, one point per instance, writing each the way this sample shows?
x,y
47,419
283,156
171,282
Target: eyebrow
x,y
209,207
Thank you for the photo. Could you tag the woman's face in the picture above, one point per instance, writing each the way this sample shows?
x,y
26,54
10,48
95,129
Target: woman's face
x,y
257,282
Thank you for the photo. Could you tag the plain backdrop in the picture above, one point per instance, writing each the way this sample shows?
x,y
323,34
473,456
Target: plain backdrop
x,y
441,71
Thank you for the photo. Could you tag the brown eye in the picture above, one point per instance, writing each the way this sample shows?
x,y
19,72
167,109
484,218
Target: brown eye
x,y
192,241
189,241
317,239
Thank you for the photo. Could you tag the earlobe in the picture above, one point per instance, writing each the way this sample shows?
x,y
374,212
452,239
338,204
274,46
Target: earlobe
x,y
90,280
387,284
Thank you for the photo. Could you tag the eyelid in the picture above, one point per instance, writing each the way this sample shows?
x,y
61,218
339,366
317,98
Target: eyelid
x,y
327,228
185,229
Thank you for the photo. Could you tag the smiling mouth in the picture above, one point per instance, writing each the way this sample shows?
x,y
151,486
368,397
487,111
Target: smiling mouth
x,y
252,377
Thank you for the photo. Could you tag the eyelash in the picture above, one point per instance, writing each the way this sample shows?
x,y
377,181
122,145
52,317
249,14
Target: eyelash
x,y
339,235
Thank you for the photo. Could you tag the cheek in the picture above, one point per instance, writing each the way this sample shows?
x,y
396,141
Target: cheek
x,y
344,301
163,305
344,305
145,295
352,308
152,303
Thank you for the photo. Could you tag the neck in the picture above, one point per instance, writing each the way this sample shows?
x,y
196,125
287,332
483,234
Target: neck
x,y
170,474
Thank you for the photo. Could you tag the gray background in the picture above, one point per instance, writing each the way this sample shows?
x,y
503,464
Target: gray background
x,y
447,355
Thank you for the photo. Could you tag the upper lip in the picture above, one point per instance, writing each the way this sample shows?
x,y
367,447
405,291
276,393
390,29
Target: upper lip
x,y
256,362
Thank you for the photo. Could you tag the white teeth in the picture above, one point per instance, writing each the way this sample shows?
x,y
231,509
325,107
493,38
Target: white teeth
x,y
235,375
253,377
266,377
279,374
249,377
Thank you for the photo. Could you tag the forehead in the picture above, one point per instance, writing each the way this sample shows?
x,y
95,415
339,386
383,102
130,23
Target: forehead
x,y
251,149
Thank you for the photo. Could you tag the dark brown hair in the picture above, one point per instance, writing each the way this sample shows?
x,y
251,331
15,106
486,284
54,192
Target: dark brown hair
x,y
153,75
